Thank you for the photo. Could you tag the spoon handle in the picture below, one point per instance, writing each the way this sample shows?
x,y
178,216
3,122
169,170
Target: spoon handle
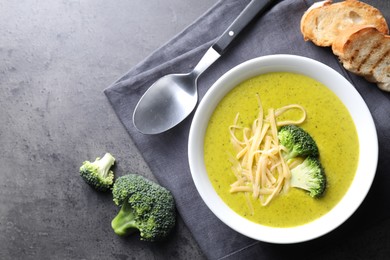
x,y
254,8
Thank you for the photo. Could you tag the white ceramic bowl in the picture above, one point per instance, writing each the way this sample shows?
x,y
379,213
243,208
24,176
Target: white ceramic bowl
x,y
365,129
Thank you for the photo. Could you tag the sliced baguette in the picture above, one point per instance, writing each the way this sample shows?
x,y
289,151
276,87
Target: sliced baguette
x,y
324,21
361,49
365,51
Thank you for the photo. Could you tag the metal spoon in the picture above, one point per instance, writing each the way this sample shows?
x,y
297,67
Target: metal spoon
x,y
173,97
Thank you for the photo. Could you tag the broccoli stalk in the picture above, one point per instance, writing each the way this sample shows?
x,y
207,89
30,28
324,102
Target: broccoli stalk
x,y
310,176
145,207
297,142
124,222
98,174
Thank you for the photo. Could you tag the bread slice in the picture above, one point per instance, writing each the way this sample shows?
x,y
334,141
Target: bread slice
x,y
365,51
324,21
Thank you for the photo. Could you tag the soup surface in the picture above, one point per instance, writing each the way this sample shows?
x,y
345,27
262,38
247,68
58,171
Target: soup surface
x,y
328,122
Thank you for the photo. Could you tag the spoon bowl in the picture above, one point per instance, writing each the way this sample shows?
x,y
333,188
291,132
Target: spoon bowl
x,y
166,103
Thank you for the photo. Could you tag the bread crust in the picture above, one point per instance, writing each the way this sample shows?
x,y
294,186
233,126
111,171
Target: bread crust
x,y
324,21
384,86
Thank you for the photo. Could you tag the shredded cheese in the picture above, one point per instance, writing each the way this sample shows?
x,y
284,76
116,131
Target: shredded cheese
x,y
258,165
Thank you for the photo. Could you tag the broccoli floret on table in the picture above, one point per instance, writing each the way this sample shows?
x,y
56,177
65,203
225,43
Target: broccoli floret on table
x,y
146,207
297,142
310,176
98,174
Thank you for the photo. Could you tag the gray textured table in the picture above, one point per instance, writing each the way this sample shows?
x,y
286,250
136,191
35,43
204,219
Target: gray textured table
x,y
56,57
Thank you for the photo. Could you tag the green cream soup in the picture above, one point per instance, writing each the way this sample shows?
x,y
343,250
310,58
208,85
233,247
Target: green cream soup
x,y
328,122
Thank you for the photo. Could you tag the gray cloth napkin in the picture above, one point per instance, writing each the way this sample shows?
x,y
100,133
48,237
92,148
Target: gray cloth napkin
x,y
275,32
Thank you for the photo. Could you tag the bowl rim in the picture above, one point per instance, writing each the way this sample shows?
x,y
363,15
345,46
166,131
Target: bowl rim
x,y
367,136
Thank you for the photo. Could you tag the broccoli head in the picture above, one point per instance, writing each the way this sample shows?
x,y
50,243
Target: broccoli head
x,y
146,207
98,174
310,176
297,141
